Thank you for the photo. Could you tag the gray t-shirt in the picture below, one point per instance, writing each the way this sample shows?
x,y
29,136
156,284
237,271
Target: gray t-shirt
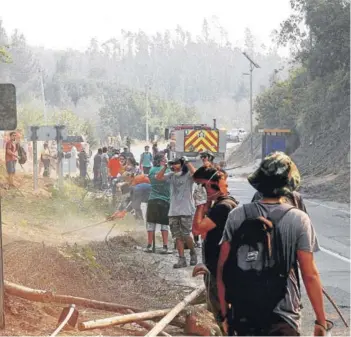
x,y
297,233
181,194
104,160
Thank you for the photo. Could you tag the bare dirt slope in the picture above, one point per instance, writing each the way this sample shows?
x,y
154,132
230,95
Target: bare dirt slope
x,y
323,160
83,264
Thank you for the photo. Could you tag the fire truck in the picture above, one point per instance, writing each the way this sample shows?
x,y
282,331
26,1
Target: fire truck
x,y
191,139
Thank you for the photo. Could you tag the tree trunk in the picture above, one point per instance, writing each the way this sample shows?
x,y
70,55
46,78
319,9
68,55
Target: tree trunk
x,y
44,296
122,319
175,311
148,326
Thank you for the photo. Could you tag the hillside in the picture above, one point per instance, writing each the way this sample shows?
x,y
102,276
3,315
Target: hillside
x,y
315,100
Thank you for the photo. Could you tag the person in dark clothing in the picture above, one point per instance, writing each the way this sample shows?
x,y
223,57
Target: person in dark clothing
x,y
83,163
126,153
211,227
97,169
154,149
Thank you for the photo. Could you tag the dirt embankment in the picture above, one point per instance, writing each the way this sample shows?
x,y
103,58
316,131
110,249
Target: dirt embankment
x,y
323,160
82,264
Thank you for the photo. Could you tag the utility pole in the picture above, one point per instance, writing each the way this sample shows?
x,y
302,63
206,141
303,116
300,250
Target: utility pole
x,y
253,65
43,95
147,111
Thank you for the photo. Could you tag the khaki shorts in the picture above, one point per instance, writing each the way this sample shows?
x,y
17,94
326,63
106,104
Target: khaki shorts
x,y
151,227
180,226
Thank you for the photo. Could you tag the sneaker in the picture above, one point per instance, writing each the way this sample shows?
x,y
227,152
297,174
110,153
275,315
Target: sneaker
x,y
181,263
148,249
164,250
193,258
198,244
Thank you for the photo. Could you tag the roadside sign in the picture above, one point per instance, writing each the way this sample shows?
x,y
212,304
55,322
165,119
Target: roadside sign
x,y
46,133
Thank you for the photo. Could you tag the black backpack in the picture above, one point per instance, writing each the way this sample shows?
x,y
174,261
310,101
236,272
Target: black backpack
x,y
256,279
22,154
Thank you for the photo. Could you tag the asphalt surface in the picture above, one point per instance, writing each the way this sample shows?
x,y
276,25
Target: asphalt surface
x,y
332,225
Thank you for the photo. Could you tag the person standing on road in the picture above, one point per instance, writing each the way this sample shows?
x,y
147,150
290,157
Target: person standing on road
x,y
211,227
158,205
73,160
45,157
114,165
146,160
207,161
126,153
11,158
104,167
97,169
181,206
290,243
83,163
154,149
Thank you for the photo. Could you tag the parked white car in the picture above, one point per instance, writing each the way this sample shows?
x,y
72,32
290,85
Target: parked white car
x,y
236,135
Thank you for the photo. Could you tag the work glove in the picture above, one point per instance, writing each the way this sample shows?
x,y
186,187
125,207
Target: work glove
x,y
200,195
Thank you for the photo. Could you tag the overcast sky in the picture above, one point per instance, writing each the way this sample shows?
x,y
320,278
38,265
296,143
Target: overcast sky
x,y
72,23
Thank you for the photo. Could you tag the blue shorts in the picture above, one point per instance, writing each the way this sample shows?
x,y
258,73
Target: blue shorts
x,y
11,166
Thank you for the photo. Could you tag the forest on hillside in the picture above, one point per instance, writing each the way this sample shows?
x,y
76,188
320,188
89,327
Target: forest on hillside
x,y
186,78
314,100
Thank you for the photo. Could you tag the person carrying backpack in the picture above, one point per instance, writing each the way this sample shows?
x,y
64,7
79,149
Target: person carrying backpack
x,y
146,160
263,243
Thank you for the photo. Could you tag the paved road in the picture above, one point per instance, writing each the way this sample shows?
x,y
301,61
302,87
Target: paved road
x,y
332,224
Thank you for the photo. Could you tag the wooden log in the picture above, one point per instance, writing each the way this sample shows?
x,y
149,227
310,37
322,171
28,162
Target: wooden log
x,y
122,319
44,296
147,325
175,311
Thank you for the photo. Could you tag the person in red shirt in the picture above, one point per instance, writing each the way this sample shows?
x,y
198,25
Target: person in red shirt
x,y
114,166
11,158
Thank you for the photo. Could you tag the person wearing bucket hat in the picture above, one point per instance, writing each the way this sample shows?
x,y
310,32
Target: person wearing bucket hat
x,y
276,179
207,158
292,197
277,176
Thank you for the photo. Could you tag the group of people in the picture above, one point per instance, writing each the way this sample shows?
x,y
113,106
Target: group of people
x,y
253,254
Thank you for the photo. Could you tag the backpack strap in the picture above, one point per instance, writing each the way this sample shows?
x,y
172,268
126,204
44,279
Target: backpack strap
x,y
279,212
251,210
228,201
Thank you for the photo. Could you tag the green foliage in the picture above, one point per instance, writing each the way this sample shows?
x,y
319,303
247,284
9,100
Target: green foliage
x,y
29,115
124,111
4,55
325,46
315,99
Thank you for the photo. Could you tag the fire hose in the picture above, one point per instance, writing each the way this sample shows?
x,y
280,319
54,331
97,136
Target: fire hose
x,y
65,321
